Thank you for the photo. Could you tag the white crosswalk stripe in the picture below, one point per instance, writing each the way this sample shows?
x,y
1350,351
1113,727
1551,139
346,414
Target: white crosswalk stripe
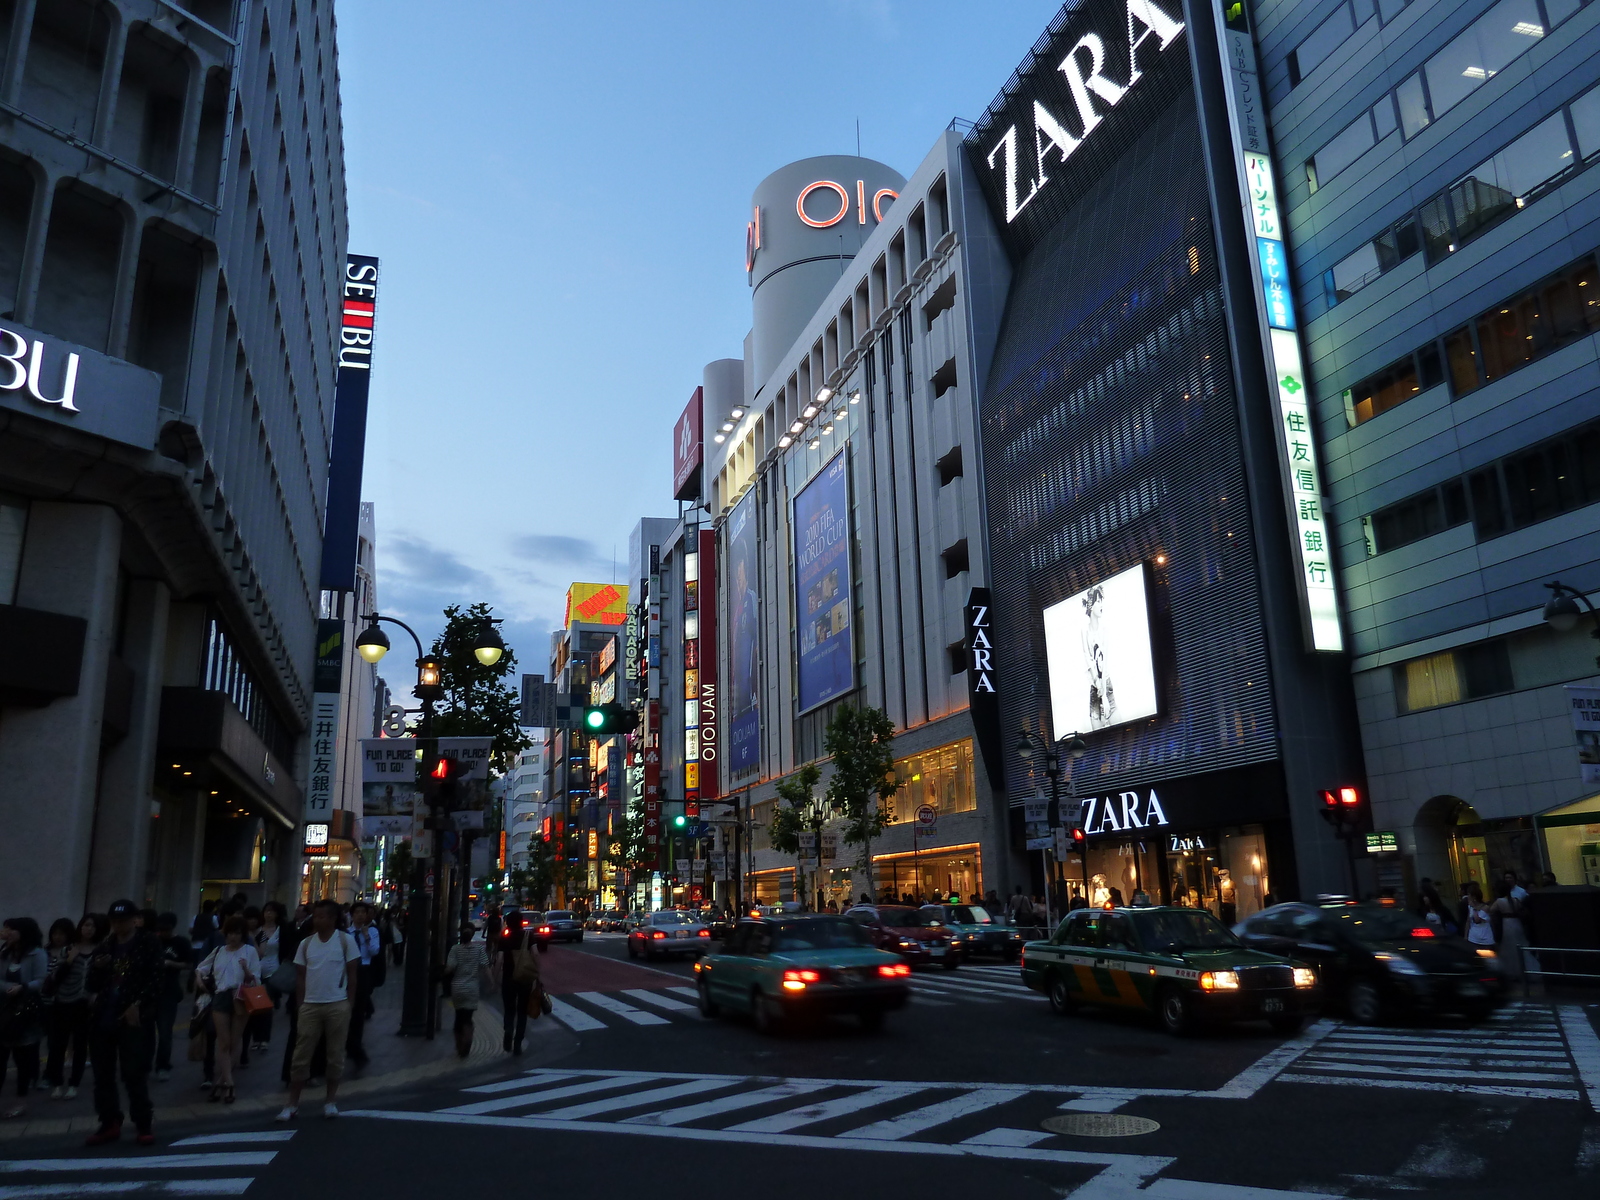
x,y
1518,1052
626,1011
670,1003
205,1172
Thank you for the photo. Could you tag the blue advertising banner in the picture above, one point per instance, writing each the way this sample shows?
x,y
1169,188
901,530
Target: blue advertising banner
x,y
744,641
822,586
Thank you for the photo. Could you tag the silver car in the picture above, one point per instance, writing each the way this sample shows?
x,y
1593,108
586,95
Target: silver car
x,y
559,927
670,933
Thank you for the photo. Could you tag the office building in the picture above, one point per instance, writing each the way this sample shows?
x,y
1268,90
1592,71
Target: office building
x,y
1441,211
172,245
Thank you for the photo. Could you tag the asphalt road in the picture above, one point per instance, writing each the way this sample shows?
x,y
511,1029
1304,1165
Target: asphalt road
x,y
629,1088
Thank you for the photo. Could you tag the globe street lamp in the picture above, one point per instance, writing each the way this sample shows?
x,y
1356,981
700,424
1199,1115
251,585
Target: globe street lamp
x,y
1565,609
416,1014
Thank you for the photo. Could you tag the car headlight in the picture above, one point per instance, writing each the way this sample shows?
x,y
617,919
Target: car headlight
x,y
1486,953
1401,965
907,944
1305,977
1219,981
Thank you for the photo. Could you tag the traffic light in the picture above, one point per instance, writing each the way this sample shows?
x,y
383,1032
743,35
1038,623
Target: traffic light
x,y
679,821
609,718
447,771
1344,809
1079,841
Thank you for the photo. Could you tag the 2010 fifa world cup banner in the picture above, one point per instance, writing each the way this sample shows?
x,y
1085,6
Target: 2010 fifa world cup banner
x,y
822,585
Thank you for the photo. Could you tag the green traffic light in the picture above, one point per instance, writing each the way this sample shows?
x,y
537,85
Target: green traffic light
x,y
595,718
678,821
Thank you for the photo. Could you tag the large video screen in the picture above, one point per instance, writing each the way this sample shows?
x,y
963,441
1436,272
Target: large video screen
x,y
1097,645
742,579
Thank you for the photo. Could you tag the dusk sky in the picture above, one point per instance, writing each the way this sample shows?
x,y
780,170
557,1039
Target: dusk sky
x,y
555,277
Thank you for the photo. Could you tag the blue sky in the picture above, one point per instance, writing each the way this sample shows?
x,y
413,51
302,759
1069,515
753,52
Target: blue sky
x,y
558,194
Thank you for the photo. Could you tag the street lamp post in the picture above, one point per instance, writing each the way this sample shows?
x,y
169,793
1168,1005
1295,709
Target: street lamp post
x,y
417,1013
1562,612
1070,748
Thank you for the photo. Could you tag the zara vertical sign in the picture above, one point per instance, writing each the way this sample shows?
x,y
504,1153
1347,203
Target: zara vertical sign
x,y
983,697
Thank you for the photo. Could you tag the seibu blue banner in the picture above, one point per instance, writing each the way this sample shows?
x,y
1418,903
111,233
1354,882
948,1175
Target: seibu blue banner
x,y
359,304
822,585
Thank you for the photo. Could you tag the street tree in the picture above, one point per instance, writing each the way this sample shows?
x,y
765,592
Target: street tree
x,y
861,744
478,700
797,811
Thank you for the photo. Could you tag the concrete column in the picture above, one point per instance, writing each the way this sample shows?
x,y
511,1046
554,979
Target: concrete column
x,y
17,56
105,116
50,756
180,841
120,856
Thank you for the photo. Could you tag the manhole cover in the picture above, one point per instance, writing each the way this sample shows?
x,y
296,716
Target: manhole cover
x,y
1100,1125
1128,1050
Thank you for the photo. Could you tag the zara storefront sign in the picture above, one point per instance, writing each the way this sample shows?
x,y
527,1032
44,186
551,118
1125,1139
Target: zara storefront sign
x,y
1122,812
1094,88
73,385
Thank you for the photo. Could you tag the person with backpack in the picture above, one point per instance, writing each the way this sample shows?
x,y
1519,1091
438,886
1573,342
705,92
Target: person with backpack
x,y
327,965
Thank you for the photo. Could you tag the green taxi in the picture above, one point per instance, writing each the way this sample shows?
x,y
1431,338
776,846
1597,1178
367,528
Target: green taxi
x,y
779,968
1182,964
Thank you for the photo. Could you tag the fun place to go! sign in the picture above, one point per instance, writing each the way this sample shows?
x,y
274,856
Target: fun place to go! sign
x,y
596,604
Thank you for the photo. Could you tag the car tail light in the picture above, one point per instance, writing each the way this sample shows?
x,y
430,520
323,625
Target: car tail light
x,y
795,981
656,933
544,929
892,970
1421,931
705,933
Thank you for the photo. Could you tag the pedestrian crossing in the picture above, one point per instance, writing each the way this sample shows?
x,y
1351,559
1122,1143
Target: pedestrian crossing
x,y
584,1012
1518,1052
985,1119
213,1164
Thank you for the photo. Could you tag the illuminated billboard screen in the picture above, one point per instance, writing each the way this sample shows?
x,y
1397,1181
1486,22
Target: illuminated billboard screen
x,y
822,589
744,639
1097,647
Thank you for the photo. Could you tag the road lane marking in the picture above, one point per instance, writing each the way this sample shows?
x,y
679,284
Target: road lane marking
x,y
131,1187
536,1094
573,1018
812,1114
684,991
222,1139
1584,1044
577,1112
1425,1085
919,1120
1009,1137
522,1083
150,1162
626,1011
1250,1080
712,1108
660,1001
1127,1165
1431,1072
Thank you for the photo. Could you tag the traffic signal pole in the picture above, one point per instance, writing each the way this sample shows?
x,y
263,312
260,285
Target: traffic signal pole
x,y
416,1017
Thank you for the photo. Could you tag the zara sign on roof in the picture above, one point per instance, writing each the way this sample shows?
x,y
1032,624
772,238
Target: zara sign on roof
x,y
1094,63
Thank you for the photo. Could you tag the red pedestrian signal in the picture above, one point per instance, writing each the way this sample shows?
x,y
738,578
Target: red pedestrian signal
x,y
1079,841
1345,809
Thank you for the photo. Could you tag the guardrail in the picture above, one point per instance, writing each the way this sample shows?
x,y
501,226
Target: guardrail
x,y
1546,957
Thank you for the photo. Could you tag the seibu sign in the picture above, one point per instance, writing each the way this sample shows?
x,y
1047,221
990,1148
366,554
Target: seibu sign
x,y
1094,86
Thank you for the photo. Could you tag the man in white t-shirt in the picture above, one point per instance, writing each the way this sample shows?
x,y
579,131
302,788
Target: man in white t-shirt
x,y
326,964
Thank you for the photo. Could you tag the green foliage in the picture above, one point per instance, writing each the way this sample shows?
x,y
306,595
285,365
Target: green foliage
x,y
861,744
795,813
478,702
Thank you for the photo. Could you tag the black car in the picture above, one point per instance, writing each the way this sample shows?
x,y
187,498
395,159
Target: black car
x,y
558,926
1377,959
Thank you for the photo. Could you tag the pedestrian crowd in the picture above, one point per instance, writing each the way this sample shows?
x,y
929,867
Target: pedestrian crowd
x,y
103,995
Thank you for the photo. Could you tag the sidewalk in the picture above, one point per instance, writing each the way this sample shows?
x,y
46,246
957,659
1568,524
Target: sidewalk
x,y
394,1063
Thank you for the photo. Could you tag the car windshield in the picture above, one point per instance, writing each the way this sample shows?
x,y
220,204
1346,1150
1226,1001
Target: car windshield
x,y
671,917
1183,929
558,916
1369,923
906,917
824,933
970,914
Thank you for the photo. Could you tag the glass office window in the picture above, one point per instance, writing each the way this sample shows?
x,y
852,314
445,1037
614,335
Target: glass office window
x,y
1586,120
1347,146
1413,106
1481,51
1325,39
941,777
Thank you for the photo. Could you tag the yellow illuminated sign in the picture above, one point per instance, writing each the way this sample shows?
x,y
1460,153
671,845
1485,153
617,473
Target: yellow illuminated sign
x,y
596,604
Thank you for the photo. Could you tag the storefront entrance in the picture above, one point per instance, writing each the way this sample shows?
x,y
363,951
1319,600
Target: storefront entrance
x,y
940,872
1224,871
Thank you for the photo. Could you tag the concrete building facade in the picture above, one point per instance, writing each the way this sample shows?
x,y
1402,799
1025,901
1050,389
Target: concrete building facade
x,y
172,239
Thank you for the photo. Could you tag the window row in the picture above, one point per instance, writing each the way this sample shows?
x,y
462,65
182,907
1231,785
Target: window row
x,y
1553,313
1525,169
1322,41
1464,64
1521,489
1451,676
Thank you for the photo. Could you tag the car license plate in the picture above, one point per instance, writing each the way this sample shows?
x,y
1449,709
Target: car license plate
x,y
1473,989
683,933
1272,1005
936,951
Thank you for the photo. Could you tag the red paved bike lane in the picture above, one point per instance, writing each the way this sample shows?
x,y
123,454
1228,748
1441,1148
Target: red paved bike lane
x,y
565,970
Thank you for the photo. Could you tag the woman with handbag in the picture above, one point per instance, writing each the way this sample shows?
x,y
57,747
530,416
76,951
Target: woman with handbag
x,y
230,967
269,940
519,975
24,965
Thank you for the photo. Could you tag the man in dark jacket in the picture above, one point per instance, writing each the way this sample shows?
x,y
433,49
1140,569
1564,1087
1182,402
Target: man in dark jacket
x,y
125,978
